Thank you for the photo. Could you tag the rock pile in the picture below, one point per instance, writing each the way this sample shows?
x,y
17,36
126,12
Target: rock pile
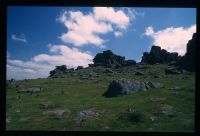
x,y
156,55
110,60
59,71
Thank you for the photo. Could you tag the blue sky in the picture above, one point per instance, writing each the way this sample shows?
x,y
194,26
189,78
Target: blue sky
x,y
39,38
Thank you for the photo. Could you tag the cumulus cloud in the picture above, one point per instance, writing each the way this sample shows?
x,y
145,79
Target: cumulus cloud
x,y
84,29
72,57
40,65
119,18
118,34
20,38
172,39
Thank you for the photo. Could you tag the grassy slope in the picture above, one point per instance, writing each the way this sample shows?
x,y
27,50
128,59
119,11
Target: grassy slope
x,y
75,94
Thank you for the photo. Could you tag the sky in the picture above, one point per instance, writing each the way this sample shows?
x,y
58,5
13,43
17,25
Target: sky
x,y
40,38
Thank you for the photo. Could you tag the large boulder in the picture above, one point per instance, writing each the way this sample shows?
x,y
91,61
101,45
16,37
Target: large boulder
x,y
126,86
156,55
188,60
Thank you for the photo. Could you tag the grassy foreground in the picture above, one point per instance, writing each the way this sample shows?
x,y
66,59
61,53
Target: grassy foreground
x,y
164,109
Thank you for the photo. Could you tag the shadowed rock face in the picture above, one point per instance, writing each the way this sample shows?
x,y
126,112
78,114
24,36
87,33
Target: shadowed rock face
x,y
109,59
156,55
125,86
188,60
59,71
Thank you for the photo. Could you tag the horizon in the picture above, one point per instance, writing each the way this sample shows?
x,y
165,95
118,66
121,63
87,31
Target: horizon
x,y
40,38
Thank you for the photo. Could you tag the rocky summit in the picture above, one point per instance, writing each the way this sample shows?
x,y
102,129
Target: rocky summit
x,y
111,60
156,55
189,59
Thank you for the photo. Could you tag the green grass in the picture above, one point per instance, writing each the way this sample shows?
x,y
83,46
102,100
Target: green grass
x,y
75,94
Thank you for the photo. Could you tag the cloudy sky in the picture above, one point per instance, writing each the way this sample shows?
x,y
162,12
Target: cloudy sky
x,y
40,38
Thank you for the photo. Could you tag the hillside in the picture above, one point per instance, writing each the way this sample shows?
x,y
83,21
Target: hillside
x,y
75,101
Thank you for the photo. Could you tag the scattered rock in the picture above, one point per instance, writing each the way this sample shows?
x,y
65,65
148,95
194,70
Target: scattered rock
x,y
8,120
83,115
18,110
58,113
175,88
31,90
167,110
139,73
150,85
44,105
152,118
157,99
131,110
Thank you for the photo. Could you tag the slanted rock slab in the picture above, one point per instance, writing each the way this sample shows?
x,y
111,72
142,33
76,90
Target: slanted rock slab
x,y
127,86
83,115
31,90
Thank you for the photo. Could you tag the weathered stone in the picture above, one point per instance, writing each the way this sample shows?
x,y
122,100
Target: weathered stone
x,y
31,90
156,56
167,110
175,88
8,119
131,110
83,115
44,105
58,113
110,60
150,85
123,87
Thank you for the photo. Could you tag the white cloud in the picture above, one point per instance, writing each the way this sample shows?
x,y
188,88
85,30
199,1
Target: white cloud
x,y
72,57
85,29
172,39
118,34
40,65
119,18
20,38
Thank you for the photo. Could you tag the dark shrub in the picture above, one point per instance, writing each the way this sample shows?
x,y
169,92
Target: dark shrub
x,y
61,68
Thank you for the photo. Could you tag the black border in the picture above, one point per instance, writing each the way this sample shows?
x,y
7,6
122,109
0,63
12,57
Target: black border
x,y
114,3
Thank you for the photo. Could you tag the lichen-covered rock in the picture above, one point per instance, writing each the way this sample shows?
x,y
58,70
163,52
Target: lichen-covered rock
x,y
126,86
83,115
